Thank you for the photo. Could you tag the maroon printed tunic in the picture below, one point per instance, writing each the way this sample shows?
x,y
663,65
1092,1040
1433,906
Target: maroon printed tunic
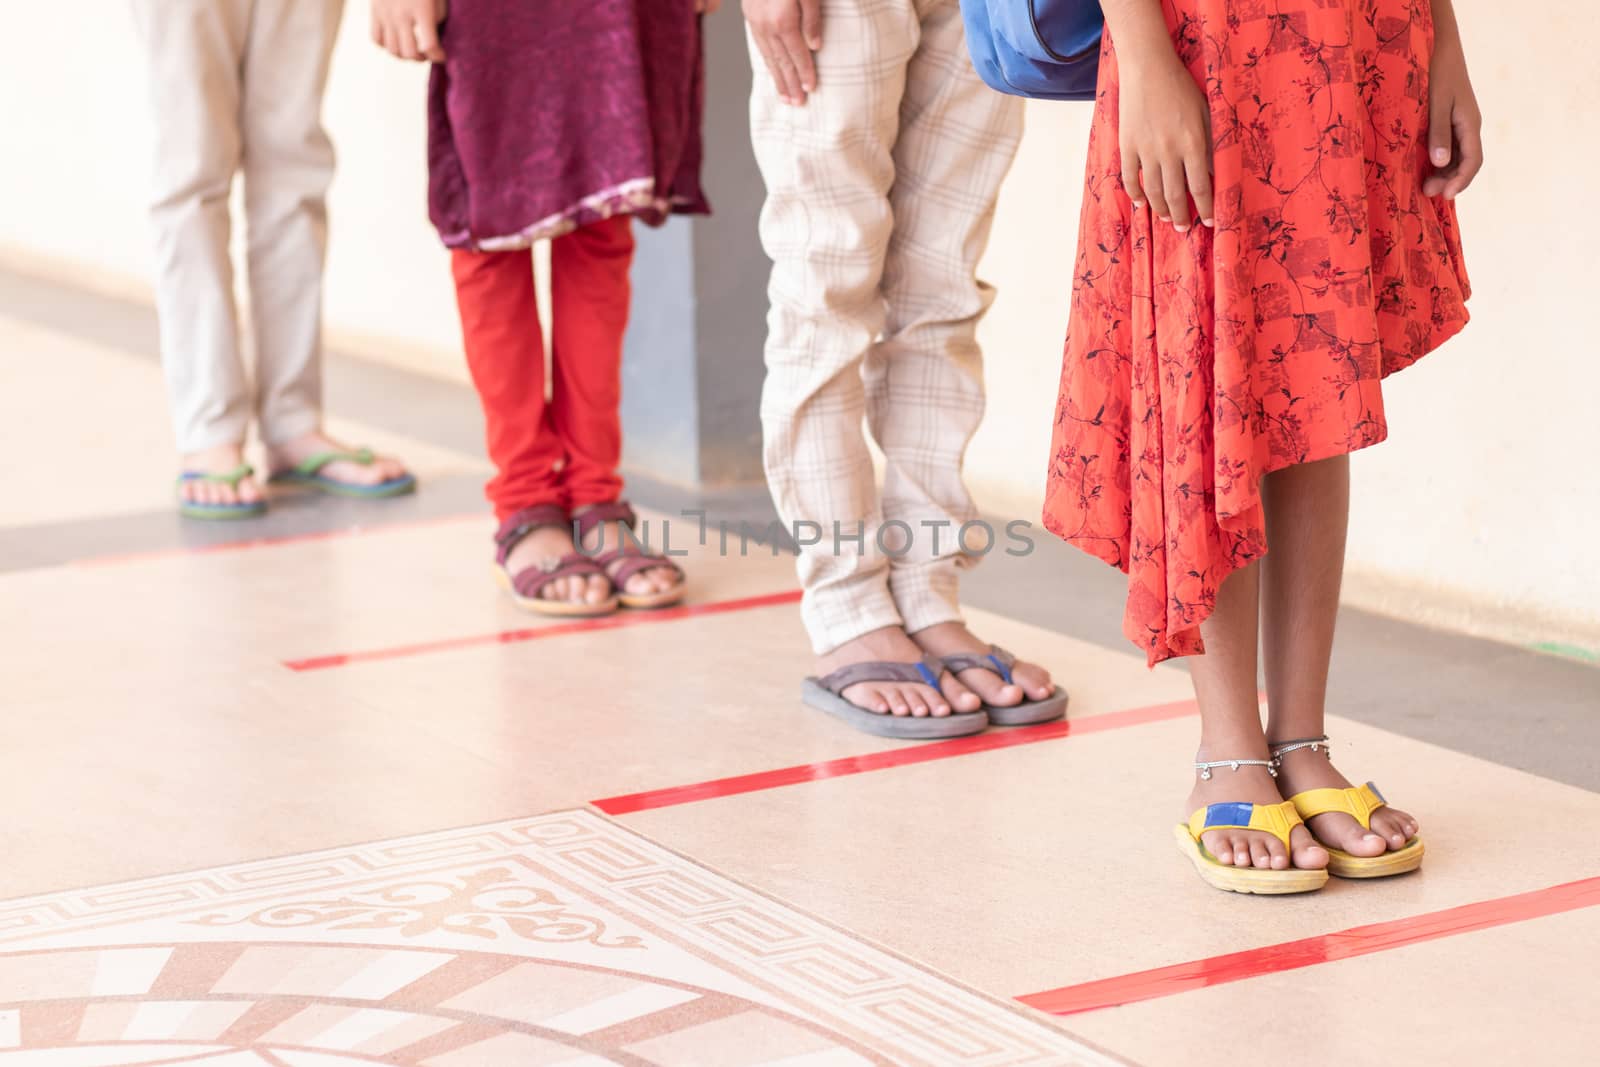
x,y
549,115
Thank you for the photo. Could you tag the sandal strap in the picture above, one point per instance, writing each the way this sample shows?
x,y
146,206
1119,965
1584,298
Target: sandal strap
x,y
632,563
996,659
1275,819
611,511
1357,801
230,478
317,460
926,671
523,523
530,581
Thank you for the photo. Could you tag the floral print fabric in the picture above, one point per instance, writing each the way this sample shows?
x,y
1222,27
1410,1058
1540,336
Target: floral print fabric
x,y
1198,362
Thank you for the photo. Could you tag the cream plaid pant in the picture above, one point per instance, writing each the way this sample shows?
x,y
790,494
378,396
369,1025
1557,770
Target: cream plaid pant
x,y
880,196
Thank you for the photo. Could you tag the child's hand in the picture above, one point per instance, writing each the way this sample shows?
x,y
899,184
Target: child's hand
x,y
1166,139
1455,144
786,32
409,29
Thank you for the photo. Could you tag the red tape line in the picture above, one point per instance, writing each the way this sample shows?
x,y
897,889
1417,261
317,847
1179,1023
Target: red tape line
x,y
533,633
897,757
1310,951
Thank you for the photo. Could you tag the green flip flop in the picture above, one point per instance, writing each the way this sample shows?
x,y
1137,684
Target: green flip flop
x,y
308,472
238,510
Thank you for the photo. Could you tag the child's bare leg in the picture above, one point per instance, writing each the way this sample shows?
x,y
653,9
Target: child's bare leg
x,y
1230,728
1307,511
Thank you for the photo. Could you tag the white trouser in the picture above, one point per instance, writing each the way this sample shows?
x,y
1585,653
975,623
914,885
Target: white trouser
x,y
239,83
881,192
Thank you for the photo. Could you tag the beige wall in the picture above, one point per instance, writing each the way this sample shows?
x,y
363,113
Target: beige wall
x,y
1482,511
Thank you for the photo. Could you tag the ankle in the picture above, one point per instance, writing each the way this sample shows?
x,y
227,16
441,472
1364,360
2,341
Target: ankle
x,y
1232,747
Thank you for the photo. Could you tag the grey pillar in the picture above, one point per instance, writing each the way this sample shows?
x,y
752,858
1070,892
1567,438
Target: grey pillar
x,y
692,365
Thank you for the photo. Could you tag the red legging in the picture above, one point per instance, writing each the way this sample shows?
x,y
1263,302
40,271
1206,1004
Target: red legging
x,y
564,451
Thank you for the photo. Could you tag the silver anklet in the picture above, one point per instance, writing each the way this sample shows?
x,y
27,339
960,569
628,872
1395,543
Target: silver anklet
x,y
1235,764
1313,743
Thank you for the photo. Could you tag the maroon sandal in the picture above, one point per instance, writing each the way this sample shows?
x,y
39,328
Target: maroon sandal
x,y
527,584
629,559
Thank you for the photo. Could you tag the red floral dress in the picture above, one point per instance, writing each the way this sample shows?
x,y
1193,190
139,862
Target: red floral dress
x,y
1198,362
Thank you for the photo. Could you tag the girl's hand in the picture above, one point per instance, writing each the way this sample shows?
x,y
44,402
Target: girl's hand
x,y
1455,144
1166,138
786,32
409,29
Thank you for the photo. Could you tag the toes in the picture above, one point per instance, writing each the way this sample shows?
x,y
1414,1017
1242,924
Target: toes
x,y
249,491
1393,827
956,692
598,589
990,689
918,705
1217,844
897,703
1034,680
1305,852
1241,851
1259,856
1277,855
1347,835
866,696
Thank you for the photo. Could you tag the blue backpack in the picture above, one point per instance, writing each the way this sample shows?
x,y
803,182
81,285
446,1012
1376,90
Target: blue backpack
x,y
1046,49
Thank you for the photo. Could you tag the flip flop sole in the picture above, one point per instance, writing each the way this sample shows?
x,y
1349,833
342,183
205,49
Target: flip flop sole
x,y
651,601
222,512
1342,864
1030,712
383,490
561,609
1245,879
901,727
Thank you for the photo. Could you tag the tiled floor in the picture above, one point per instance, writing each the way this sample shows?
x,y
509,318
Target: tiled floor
x,y
422,827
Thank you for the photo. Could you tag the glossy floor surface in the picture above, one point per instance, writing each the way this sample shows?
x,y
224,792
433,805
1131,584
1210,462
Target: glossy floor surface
x,y
309,791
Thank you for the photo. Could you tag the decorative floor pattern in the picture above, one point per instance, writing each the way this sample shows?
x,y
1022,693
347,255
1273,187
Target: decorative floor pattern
x,y
562,939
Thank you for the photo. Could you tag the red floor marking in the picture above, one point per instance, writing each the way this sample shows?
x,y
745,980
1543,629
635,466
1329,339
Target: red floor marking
x,y
273,542
1310,951
534,633
897,757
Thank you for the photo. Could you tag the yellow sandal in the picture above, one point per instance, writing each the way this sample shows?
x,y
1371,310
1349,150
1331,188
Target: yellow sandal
x,y
1276,819
1358,802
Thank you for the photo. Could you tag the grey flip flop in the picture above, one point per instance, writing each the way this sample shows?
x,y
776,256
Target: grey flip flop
x,y
824,695
1027,713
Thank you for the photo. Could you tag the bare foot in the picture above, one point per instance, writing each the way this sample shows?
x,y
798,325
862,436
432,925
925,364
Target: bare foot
x,y
219,460
1251,848
1031,682
1304,769
545,547
896,698
607,536
290,454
